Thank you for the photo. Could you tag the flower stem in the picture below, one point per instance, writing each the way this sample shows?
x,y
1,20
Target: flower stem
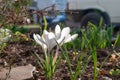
x,y
56,55
46,56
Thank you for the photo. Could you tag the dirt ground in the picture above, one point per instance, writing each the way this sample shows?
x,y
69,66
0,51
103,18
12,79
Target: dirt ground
x,y
20,54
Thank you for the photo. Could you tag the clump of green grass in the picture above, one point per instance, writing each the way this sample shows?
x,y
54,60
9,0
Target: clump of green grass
x,y
95,37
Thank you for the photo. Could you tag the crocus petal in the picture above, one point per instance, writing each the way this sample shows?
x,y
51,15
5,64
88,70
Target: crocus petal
x,y
67,37
51,40
71,38
40,42
57,31
45,36
65,32
39,38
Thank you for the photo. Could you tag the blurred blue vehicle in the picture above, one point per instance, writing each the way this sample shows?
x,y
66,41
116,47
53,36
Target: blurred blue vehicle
x,y
45,10
52,20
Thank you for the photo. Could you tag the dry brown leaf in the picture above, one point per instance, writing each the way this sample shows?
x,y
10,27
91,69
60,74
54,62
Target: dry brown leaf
x,y
112,58
103,72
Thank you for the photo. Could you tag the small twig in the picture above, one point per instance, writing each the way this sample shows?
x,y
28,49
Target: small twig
x,y
7,74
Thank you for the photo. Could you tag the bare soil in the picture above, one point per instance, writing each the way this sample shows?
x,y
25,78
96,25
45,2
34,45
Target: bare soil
x,y
22,53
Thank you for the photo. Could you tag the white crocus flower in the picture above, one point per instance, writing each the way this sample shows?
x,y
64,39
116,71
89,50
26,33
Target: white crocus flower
x,y
47,41
4,35
64,35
